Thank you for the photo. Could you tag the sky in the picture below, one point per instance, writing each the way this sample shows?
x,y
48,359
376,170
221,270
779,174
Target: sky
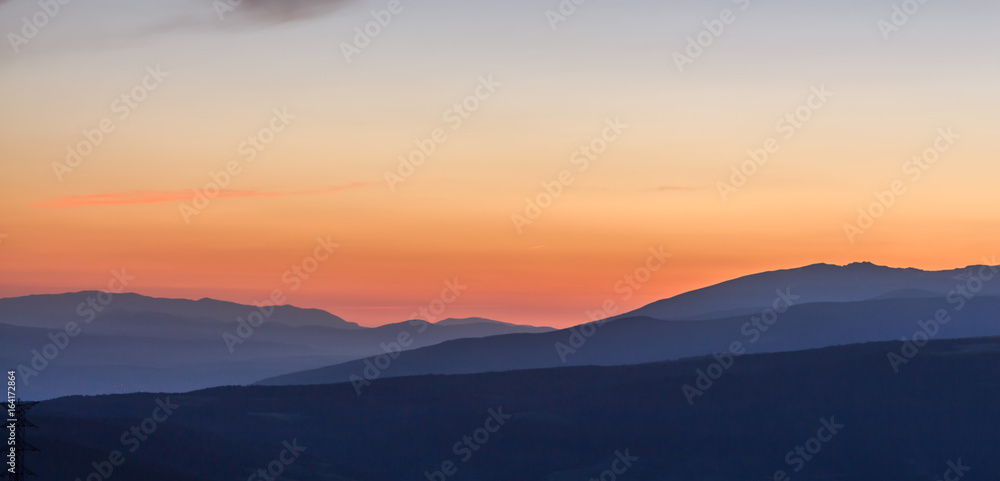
x,y
230,151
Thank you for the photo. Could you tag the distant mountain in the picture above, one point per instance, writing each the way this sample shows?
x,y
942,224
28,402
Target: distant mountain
x,y
139,343
479,320
150,344
838,413
54,310
644,339
815,283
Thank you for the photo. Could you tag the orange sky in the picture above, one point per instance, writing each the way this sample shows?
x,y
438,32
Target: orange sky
x,y
346,124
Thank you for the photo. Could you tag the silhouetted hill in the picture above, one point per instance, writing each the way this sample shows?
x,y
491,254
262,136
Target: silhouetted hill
x,y
815,283
179,345
54,310
643,339
479,320
569,423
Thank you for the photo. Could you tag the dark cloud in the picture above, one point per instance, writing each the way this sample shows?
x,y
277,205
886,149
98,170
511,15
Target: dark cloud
x,y
278,11
153,18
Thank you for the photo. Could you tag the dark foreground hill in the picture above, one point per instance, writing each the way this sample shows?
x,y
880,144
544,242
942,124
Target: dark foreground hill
x,y
841,413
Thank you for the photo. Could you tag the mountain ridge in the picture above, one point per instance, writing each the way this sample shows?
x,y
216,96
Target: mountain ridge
x,y
640,339
819,282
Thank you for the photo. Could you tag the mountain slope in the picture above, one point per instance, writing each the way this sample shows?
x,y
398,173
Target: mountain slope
x,y
54,310
815,283
479,320
643,339
568,423
177,345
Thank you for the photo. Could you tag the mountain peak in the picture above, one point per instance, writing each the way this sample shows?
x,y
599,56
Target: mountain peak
x,y
857,281
866,265
453,321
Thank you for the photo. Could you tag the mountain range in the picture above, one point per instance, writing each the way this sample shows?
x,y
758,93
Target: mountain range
x,y
139,343
810,307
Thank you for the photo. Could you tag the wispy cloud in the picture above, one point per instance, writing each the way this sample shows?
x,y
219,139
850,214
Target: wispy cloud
x,y
156,17
159,197
203,14
280,11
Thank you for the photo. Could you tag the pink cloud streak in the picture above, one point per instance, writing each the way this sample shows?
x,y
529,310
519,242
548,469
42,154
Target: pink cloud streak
x,y
159,197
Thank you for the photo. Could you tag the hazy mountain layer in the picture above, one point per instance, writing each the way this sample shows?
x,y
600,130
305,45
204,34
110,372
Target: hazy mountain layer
x,y
643,339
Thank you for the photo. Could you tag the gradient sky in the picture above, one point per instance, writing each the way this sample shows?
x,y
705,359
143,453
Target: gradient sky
x,y
324,175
